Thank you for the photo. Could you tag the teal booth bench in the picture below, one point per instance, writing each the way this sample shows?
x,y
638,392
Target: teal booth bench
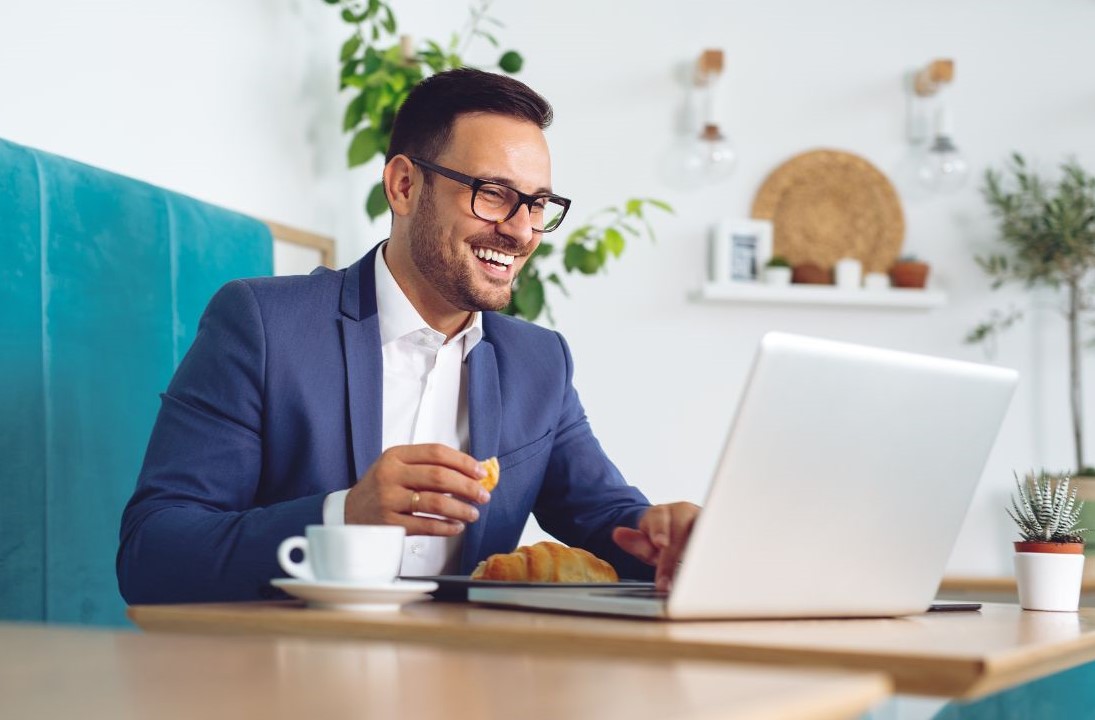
x,y
102,282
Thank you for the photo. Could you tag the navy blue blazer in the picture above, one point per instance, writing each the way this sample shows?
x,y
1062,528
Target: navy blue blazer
x,y
278,403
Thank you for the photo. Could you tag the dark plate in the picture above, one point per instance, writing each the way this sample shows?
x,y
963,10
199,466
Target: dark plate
x,y
455,587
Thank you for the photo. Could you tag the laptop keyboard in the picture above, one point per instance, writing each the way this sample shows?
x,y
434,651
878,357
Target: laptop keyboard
x,y
646,593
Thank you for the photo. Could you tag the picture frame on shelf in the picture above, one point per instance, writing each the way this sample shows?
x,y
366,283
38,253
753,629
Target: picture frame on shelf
x,y
739,248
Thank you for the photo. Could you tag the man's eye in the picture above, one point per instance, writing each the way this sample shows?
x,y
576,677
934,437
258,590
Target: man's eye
x,y
491,193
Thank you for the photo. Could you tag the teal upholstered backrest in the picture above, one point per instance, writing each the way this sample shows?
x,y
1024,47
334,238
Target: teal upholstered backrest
x,y
102,282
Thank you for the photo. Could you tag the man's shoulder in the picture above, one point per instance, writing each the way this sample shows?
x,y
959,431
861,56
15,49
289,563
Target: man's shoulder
x,y
282,301
511,334
289,288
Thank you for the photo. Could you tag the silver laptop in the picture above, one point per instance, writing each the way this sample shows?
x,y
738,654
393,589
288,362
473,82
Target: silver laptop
x,y
840,492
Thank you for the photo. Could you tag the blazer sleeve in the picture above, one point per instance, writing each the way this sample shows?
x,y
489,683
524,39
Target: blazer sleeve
x,y
192,531
584,496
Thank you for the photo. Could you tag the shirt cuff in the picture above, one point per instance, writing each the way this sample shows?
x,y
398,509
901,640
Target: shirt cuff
x,y
334,508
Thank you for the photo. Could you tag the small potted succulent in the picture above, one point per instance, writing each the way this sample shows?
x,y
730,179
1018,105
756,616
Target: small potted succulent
x,y
1049,560
909,272
777,271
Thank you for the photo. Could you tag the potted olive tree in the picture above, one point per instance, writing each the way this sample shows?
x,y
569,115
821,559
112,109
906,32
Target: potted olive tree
x,y
1046,239
1049,560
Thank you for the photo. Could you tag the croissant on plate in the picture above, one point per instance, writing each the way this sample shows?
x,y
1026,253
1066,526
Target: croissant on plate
x,y
546,562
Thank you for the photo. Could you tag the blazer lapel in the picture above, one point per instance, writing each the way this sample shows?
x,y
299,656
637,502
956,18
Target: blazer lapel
x,y
364,362
485,424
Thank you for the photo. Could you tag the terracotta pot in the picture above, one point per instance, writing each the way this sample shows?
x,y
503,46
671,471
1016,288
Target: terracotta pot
x,y
909,274
810,274
1059,548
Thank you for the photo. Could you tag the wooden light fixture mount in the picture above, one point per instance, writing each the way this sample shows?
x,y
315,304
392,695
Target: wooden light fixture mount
x,y
931,79
708,67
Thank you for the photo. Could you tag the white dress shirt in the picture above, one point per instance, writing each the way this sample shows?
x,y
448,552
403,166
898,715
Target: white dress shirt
x,y
425,401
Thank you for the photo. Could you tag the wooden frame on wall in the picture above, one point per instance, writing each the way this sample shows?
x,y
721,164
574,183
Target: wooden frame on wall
x,y
321,243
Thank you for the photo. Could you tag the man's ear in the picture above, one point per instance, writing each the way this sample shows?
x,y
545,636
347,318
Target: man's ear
x,y
399,184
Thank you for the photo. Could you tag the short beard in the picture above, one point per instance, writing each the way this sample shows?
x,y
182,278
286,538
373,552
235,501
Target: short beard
x,y
443,269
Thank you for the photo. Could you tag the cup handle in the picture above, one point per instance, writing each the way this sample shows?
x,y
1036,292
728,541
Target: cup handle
x,y
302,569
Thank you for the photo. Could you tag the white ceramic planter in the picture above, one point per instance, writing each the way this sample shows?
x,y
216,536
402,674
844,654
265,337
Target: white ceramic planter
x,y
777,275
1049,581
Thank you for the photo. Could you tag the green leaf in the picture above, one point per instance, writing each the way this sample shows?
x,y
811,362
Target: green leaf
x,y
349,16
374,5
511,62
554,278
634,207
389,20
364,146
373,60
542,250
614,241
355,110
377,202
577,257
661,205
350,47
488,37
529,297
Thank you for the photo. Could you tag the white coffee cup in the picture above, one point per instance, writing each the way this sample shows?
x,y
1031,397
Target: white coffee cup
x,y
365,554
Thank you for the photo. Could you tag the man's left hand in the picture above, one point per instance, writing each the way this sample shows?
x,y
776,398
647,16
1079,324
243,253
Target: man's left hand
x,y
661,538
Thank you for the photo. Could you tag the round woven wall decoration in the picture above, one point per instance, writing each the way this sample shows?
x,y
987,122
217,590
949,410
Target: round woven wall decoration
x,y
826,205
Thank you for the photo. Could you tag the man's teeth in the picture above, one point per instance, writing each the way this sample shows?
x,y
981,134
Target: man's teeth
x,y
494,255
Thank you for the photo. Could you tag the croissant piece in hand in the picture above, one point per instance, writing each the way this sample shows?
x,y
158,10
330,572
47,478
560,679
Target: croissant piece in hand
x,y
490,480
546,562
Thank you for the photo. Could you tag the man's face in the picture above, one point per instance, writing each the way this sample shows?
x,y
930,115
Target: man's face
x,y
447,240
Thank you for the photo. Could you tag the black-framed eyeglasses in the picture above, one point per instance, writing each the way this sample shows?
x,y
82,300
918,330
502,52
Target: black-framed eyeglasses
x,y
497,203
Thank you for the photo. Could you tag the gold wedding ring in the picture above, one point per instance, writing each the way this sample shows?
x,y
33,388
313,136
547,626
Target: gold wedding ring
x,y
415,497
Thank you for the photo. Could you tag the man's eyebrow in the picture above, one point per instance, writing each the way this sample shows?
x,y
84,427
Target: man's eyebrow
x,y
510,183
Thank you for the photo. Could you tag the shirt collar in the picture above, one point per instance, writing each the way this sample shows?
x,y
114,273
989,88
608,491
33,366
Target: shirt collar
x,y
398,318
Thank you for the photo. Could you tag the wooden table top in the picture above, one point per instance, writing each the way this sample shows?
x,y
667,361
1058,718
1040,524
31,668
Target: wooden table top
x,y
957,654
54,672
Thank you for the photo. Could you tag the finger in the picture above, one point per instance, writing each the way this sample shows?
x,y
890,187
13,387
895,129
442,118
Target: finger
x,y
656,525
437,454
444,506
416,525
680,530
635,543
440,479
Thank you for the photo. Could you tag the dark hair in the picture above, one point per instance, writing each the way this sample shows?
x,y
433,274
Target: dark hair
x,y
423,125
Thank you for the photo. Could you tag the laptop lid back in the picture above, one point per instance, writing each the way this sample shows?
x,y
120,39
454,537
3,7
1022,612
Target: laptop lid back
x,y
843,483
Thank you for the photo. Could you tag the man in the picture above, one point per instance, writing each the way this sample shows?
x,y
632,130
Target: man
x,y
368,395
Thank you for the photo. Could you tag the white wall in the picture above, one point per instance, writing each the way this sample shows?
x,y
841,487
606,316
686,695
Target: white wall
x,y
235,103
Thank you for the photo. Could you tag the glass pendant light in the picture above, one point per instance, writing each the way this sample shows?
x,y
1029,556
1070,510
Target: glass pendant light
x,y
942,167
707,156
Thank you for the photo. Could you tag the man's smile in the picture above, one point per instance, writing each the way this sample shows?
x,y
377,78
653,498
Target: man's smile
x,y
495,262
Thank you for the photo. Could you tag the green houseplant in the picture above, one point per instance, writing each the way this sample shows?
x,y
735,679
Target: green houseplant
x,y
777,271
1047,233
1049,561
909,272
379,69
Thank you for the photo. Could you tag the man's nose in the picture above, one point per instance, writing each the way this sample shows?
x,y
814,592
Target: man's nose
x,y
518,227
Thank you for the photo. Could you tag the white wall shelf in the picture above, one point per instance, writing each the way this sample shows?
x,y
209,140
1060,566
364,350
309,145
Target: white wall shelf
x,y
893,298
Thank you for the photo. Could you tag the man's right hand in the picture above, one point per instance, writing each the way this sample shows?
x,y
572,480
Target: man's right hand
x,y
410,479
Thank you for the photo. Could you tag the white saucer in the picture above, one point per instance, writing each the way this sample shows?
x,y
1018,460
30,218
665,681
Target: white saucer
x,y
380,597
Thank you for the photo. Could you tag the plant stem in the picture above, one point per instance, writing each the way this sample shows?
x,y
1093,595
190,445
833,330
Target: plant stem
x,y
1075,395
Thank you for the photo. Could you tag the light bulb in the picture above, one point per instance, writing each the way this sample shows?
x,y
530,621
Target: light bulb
x,y
942,168
709,158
